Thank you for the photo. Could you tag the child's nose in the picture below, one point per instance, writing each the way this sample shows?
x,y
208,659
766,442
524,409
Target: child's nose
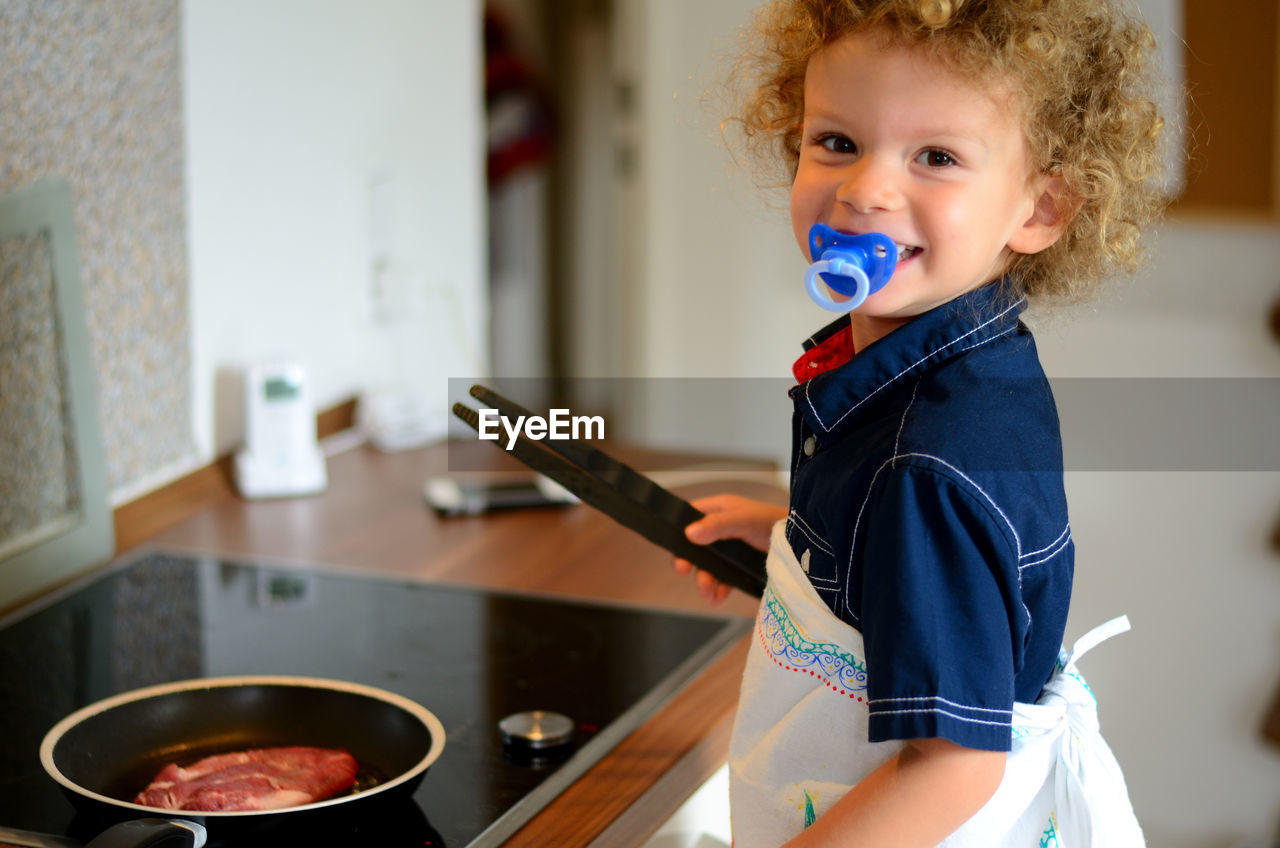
x,y
868,186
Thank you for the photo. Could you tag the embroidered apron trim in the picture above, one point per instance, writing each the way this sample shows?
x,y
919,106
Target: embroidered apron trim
x,y
1050,837
839,670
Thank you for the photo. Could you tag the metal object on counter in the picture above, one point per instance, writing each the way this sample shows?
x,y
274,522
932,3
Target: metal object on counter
x,y
536,730
536,738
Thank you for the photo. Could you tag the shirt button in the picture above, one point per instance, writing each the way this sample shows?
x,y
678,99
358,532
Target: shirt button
x,y
810,445
804,561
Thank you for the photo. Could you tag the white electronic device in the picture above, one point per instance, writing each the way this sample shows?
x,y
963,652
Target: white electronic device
x,y
397,419
281,456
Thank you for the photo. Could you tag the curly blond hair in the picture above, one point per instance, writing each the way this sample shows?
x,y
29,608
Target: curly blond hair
x,y
1083,74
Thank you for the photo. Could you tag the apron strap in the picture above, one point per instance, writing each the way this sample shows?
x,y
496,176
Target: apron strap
x,y
1095,637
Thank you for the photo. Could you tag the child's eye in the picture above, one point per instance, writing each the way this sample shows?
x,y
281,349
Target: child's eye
x,y
837,143
936,158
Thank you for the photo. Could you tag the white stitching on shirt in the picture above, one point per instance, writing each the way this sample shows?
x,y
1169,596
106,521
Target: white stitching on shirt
x,y
932,353
1061,545
833,583
874,709
941,699
946,713
811,534
897,441
1066,531
892,462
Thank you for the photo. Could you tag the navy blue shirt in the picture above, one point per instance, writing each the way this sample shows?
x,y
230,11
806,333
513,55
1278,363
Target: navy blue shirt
x,y
927,508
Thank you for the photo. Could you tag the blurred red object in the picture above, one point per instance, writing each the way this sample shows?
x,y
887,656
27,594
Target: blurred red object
x,y
518,111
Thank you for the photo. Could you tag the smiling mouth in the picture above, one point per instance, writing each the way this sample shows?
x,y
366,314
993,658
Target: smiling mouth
x,y
905,251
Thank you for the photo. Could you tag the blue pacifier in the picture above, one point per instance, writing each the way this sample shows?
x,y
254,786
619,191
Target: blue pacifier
x,y
855,266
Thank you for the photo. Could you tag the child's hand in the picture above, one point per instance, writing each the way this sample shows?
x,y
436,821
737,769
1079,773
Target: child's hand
x,y
728,517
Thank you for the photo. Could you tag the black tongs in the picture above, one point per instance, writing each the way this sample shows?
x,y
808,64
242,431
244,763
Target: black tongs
x,y
626,496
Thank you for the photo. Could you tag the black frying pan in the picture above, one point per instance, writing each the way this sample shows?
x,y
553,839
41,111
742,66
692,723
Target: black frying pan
x,y
104,754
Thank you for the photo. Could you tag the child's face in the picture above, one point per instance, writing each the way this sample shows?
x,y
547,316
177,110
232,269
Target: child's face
x,y
893,142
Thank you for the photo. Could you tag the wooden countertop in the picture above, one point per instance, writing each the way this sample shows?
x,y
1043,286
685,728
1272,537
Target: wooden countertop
x,y
373,516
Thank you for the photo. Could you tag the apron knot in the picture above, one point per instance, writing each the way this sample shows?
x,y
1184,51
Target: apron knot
x,y
1091,799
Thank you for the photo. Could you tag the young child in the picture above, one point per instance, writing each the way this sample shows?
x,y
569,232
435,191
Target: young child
x,y
907,686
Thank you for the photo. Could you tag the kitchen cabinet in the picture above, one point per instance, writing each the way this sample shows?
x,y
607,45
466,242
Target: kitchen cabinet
x,y
1232,75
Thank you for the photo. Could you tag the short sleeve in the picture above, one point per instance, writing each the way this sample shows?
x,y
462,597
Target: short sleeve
x,y
940,610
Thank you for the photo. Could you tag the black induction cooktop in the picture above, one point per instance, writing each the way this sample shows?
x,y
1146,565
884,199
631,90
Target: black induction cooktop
x,y
470,656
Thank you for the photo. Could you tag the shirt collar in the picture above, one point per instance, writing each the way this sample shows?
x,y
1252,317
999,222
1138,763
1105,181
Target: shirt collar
x,y
970,320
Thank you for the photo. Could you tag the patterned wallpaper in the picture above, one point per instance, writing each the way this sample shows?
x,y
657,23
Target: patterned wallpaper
x,y
91,91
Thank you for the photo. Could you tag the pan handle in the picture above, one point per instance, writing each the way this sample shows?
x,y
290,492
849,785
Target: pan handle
x,y
151,833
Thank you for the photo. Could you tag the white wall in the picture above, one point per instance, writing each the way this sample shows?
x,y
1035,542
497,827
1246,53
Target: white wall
x,y
323,135
1184,554
716,284
708,260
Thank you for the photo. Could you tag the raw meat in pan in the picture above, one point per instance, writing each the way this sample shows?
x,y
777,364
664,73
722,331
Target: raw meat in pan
x,y
261,779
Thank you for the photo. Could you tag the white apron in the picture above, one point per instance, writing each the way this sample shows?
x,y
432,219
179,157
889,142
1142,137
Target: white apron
x,y
800,737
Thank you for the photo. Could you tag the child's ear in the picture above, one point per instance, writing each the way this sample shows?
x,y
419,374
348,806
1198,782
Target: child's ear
x,y
1049,216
